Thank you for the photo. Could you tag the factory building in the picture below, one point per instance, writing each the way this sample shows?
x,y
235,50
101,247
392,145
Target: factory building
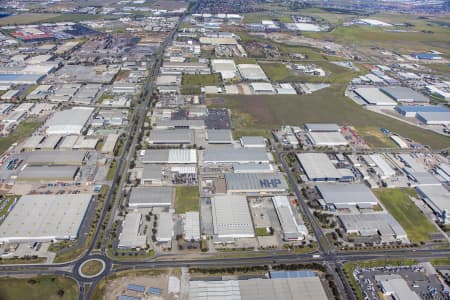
x,y
236,155
165,229
44,218
256,183
394,286
252,72
384,169
318,167
373,224
410,111
434,118
373,96
191,226
404,94
70,121
253,168
152,174
141,197
130,237
438,199
344,196
48,173
170,136
168,156
225,67
231,217
56,158
219,136
253,142
292,231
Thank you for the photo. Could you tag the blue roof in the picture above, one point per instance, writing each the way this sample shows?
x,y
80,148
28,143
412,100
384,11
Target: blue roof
x,y
136,288
154,291
420,108
292,274
425,55
125,297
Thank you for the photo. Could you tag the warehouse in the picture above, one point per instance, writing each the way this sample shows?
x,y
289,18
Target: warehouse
x,y
218,41
394,286
372,224
343,196
180,124
295,288
262,183
252,72
68,142
384,169
225,67
410,111
262,88
373,96
253,142
16,79
434,118
176,68
152,174
170,136
322,127
292,231
142,197
191,226
130,237
165,229
253,168
437,198
70,121
327,139
219,136
50,142
169,156
236,155
404,94
32,142
231,217
318,167
45,218
286,89
48,173
41,158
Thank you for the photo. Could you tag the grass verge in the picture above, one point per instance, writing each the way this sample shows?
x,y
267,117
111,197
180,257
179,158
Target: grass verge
x,y
187,198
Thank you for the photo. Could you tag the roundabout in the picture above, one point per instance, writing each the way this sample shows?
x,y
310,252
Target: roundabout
x,y
91,268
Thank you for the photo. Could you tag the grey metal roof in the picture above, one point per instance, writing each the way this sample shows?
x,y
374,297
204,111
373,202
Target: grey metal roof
x,y
231,216
255,182
170,136
372,223
151,196
321,127
235,155
346,194
219,136
152,171
318,166
45,217
56,157
48,173
404,94
253,140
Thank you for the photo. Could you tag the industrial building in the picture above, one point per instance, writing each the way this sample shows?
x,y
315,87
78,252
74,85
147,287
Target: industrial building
x,y
291,229
404,94
169,156
231,217
344,196
252,72
253,168
262,88
373,96
226,68
48,173
170,136
70,121
395,287
236,155
434,118
327,139
384,169
56,158
412,110
45,218
141,197
322,127
318,167
165,229
373,224
179,124
295,288
253,142
110,143
438,199
219,136
262,183
130,237
152,174
191,226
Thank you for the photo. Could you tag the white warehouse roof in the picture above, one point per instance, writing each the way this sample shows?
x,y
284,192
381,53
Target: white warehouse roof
x,y
130,237
345,195
231,217
70,121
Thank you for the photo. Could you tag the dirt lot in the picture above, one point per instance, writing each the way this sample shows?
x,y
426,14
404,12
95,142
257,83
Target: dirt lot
x,y
118,287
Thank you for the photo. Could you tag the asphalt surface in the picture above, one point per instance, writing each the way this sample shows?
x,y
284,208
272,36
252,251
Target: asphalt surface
x,y
326,254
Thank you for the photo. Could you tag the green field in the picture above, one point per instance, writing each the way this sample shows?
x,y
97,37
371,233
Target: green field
x,y
375,138
24,130
260,114
200,80
413,221
278,72
262,231
45,287
187,199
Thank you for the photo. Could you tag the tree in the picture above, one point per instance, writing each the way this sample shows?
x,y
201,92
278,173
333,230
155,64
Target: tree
x,y
60,293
